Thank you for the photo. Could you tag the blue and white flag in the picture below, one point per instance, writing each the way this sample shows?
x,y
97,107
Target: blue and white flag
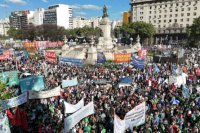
x,y
174,67
4,76
157,69
185,91
138,62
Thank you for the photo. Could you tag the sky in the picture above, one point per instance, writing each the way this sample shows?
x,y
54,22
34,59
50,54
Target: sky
x,y
85,8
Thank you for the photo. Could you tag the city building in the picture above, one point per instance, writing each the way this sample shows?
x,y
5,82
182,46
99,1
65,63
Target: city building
x,y
95,21
80,22
4,26
60,15
169,17
126,17
38,16
21,19
115,24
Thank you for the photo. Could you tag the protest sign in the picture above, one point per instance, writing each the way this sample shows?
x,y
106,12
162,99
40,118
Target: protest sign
x,y
142,53
34,82
70,108
44,94
66,83
52,44
4,125
30,44
5,56
73,119
10,103
13,77
60,43
41,44
136,116
71,61
139,63
101,58
119,125
172,79
120,58
50,56
31,50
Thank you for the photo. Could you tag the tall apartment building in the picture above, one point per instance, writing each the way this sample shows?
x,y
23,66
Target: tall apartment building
x,y
60,15
80,22
38,16
21,19
169,17
4,26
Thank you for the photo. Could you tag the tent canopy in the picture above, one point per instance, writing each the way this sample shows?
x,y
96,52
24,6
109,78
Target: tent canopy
x,y
126,80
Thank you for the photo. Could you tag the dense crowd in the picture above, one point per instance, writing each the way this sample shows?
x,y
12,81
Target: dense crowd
x,y
47,115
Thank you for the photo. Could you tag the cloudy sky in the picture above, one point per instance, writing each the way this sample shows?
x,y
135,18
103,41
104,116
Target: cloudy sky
x,y
86,8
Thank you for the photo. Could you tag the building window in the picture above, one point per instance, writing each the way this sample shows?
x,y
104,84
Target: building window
x,y
149,12
189,3
181,20
158,26
181,25
188,14
164,21
160,11
170,20
164,25
165,11
195,8
182,9
187,25
170,15
160,6
188,8
183,4
155,12
159,16
177,4
176,10
165,5
170,10
154,16
154,21
176,15
165,16
194,13
149,17
188,19
182,14
175,20
150,7
159,21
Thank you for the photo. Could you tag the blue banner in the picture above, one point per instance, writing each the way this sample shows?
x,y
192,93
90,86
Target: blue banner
x,y
71,61
34,82
138,62
26,54
101,58
67,83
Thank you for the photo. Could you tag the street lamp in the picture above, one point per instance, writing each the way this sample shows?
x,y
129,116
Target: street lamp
x,y
131,39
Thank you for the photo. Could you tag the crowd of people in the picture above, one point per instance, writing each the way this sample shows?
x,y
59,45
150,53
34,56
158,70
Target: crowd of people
x,y
47,115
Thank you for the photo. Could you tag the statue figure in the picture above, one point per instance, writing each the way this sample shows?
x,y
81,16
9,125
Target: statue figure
x,y
105,14
101,33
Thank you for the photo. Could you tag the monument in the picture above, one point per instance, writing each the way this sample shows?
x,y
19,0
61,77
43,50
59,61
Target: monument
x,y
105,44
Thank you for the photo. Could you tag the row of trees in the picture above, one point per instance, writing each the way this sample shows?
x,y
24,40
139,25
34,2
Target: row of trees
x,y
144,30
52,32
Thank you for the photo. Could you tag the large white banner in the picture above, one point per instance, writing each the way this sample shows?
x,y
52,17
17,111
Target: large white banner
x,y
10,103
119,125
4,125
73,119
44,94
70,108
181,79
136,116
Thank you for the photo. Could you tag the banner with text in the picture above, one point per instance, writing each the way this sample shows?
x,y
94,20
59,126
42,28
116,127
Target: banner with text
x,y
120,58
5,56
52,44
41,44
50,56
73,119
60,43
44,94
70,108
31,50
119,125
13,77
142,53
135,117
71,61
30,44
67,83
34,82
11,103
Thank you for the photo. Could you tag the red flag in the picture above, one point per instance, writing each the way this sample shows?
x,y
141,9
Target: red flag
x,y
39,129
16,121
24,120
142,53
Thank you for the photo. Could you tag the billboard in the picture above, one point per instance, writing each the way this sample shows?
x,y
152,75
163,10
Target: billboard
x,y
121,58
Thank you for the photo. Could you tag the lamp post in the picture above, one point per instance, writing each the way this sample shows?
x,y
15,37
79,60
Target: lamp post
x,y
131,39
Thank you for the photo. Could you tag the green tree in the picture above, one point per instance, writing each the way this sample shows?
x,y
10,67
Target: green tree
x,y
12,32
193,31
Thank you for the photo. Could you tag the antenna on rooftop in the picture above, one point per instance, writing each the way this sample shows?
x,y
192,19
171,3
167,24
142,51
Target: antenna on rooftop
x,y
6,8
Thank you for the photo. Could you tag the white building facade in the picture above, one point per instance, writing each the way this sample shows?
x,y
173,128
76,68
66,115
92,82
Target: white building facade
x,y
80,22
60,15
38,16
167,16
4,27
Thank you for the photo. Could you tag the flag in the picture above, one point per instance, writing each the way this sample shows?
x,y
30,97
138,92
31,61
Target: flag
x,y
174,67
4,124
142,53
4,76
24,120
157,69
185,91
119,125
138,62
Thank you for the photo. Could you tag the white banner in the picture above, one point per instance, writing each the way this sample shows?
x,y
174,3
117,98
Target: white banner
x,y
119,125
70,108
4,125
44,94
73,119
181,79
135,117
10,103
172,79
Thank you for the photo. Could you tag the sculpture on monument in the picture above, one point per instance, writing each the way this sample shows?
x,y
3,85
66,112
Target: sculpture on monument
x,y
105,14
